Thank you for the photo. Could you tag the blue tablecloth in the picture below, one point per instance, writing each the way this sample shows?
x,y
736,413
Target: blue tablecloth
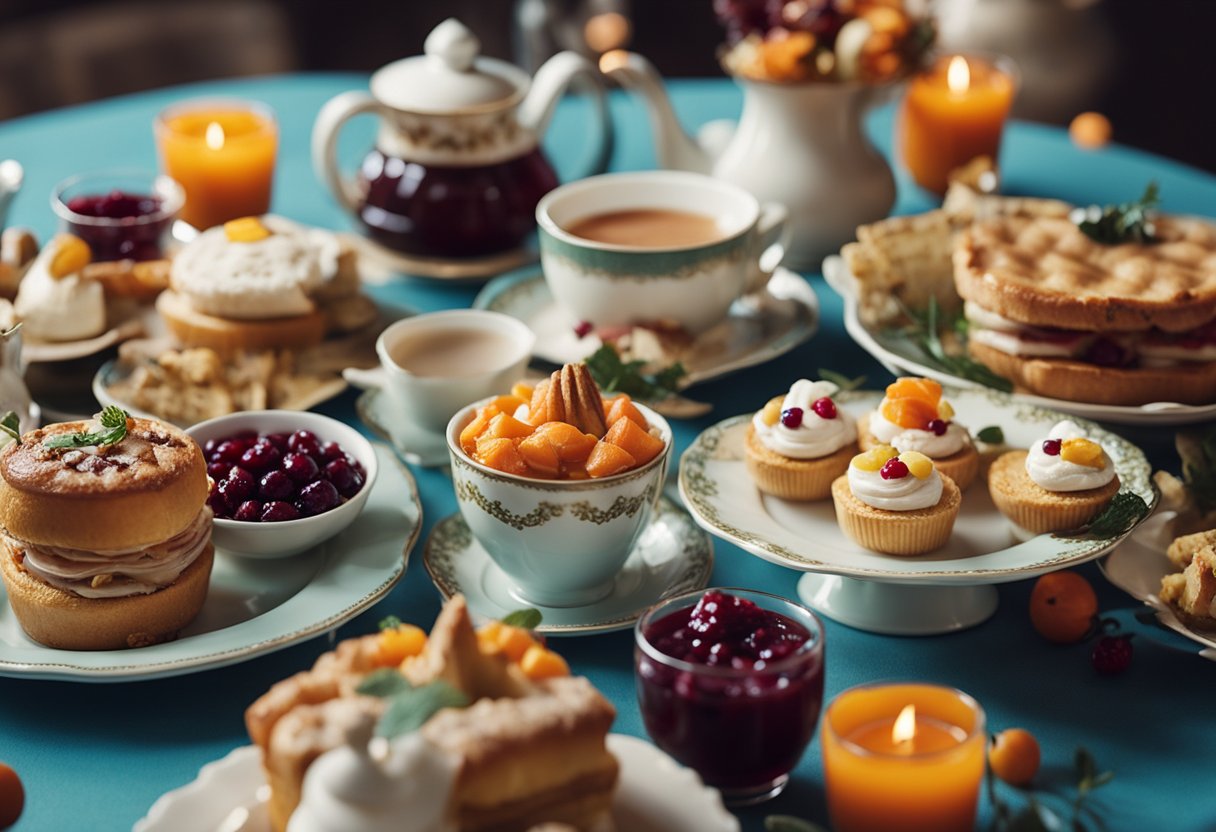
x,y
95,757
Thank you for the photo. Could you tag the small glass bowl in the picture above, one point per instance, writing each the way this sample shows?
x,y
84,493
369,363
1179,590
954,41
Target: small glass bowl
x,y
149,203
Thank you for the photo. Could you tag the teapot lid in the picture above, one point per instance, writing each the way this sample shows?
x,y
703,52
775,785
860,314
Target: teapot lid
x,y
449,76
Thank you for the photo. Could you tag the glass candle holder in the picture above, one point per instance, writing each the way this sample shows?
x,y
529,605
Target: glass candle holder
x,y
742,723
953,112
223,153
122,214
878,777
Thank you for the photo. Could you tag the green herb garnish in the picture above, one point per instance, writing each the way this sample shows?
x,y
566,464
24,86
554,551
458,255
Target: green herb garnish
x,y
389,622
527,619
10,426
113,421
991,435
616,376
383,682
1123,512
845,384
410,708
924,331
1127,222
1037,816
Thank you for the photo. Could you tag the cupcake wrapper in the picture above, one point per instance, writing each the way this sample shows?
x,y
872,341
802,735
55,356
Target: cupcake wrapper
x,y
1040,519
794,479
894,532
1037,511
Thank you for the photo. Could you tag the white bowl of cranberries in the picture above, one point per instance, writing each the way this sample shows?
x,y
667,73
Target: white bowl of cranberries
x,y
283,481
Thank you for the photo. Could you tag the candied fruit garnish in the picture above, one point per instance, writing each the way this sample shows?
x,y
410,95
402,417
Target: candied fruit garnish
x,y
919,465
245,230
72,255
944,410
938,427
540,455
1051,447
1082,452
622,407
791,417
397,644
542,663
875,458
771,414
505,426
512,642
639,444
915,414
502,455
607,459
893,469
925,389
523,391
824,408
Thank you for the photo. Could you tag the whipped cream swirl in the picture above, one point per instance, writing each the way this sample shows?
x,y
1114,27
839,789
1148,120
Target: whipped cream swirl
x,y
120,572
913,439
67,308
903,494
816,437
1055,473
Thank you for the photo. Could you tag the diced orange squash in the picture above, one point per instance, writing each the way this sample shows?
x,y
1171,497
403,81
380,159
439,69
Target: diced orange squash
x,y
540,455
474,429
542,663
395,645
607,459
629,437
508,404
523,391
505,426
571,444
577,471
501,455
622,407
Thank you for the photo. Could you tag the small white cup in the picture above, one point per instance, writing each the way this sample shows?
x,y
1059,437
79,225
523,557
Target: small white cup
x,y
430,400
609,284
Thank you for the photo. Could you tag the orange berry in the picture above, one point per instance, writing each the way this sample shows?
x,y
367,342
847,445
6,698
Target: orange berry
x,y
1090,130
72,255
514,642
1063,607
909,412
399,643
1014,756
908,387
542,663
12,796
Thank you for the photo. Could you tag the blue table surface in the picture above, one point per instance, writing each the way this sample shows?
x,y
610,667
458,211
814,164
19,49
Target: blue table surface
x,y
95,756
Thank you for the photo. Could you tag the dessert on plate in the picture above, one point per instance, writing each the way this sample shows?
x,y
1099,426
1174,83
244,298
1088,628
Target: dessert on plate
x,y
913,416
800,442
105,533
55,301
896,503
1191,592
1060,484
519,743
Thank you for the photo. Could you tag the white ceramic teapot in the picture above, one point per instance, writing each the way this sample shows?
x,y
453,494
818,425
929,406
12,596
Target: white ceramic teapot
x,y
457,168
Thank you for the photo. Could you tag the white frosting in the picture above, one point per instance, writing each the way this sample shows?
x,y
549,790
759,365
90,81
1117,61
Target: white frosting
x,y
268,278
69,308
1055,473
816,437
913,439
903,494
402,785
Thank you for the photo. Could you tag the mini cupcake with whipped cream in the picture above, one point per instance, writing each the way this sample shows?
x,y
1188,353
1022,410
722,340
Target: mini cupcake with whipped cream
x,y
1060,484
896,503
800,442
913,416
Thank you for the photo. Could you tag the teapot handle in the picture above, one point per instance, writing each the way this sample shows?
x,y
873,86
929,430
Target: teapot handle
x,y
548,85
329,122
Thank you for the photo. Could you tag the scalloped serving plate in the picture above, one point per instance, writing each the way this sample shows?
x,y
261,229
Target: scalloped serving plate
x,y
983,549
655,794
255,607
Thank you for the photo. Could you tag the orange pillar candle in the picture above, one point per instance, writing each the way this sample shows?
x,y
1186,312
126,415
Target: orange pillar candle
x,y
925,777
223,154
953,112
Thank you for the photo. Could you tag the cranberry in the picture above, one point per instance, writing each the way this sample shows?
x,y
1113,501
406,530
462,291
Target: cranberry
x,y
1051,447
791,417
278,511
722,629
894,469
237,486
344,477
317,498
331,451
300,467
304,442
219,507
209,447
824,408
261,456
248,511
1112,654
229,451
276,485
279,440
218,470
938,426
582,329
1108,353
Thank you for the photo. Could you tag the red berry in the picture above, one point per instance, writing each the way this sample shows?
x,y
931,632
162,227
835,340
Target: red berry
x,y
824,408
1051,447
894,469
938,426
791,417
1112,654
582,329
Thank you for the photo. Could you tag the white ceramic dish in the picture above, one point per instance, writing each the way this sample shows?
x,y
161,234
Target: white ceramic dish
x,y
673,556
655,794
255,607
758,328
983,549
415,444
1137,568
290,537
902,357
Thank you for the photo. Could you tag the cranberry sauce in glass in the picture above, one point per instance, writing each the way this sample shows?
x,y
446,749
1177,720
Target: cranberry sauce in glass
x,y
730,683
449,211
123,215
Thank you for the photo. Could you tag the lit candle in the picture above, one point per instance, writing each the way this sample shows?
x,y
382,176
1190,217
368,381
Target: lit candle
x,y
903,758
223,154
953,112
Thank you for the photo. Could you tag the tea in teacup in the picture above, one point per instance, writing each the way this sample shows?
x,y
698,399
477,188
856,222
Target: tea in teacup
x,y
454,353
648,228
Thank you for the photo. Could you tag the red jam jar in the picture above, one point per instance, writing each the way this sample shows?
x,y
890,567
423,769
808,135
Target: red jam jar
x,y
122,215
730,683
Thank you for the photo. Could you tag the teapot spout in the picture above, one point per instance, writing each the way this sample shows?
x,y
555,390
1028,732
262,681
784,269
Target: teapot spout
x,y
674,148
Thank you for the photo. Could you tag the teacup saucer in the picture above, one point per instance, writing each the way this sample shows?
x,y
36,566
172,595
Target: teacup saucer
x,y
380,264
673,555
758,328
412,443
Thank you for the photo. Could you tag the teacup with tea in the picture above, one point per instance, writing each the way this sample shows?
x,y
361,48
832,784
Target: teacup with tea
x,y
656,246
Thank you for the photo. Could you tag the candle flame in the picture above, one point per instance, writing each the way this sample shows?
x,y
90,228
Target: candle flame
x,y
958,74
905,725
215,135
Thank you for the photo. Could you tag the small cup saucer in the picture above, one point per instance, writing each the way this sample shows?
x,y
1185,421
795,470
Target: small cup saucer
x,y
412,443
674,555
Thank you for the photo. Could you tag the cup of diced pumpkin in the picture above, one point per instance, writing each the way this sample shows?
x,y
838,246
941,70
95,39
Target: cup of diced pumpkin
x,y
557,482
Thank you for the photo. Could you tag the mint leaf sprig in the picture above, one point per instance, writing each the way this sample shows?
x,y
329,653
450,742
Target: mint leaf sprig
x,y
616,376
113,421
10,428
1123,512
1127,222
409,707
528,618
